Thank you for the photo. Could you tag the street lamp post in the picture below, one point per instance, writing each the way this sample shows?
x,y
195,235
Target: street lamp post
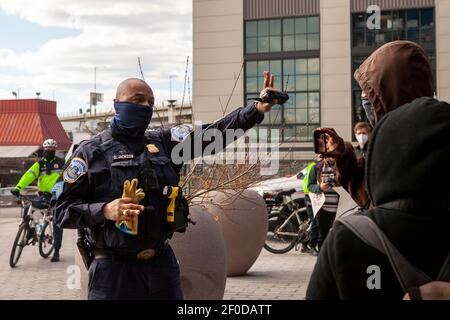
x,y
170,84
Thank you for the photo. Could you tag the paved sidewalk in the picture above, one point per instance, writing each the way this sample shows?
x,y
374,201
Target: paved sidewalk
x,y
273,276
34,277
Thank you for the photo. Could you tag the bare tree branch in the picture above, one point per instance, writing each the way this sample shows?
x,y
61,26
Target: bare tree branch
x,y
184,89
234,88
154,107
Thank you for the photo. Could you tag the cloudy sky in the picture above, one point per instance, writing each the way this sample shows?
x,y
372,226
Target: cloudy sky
x,y
52,47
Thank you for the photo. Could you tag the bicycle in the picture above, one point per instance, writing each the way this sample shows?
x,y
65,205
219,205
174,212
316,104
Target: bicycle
x,y
288,225
33,228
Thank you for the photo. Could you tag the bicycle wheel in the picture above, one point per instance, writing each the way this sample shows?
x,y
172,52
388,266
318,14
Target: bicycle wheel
x,y
19,243
275,242
46,240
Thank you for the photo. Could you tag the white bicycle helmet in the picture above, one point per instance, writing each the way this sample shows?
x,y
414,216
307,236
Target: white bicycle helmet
x,y
50,143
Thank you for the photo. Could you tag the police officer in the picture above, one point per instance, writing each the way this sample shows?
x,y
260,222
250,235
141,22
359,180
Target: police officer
x,y
130,265
46,171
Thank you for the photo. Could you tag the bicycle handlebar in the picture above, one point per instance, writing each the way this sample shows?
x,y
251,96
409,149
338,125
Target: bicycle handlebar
x,y
38,203
287,192
23,197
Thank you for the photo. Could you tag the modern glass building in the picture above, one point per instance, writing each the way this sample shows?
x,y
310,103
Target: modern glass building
x,y
413,24
313,48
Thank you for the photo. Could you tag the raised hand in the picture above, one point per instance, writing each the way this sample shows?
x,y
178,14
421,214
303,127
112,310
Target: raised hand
x,y
269,84
335,144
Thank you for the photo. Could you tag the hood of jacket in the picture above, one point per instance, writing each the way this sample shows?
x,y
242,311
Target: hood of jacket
x,y
395,74
408,156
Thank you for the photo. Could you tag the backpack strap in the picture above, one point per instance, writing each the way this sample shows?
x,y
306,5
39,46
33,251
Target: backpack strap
x,y
367,231
444,274
415,205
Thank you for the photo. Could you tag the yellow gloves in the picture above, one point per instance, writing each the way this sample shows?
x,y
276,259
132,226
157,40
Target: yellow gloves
x,y
130,191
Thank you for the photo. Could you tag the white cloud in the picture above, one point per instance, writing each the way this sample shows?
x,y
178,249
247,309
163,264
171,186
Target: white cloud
x,y
112,35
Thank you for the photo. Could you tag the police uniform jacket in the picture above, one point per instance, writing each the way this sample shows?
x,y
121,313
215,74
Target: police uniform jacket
x,y
95,174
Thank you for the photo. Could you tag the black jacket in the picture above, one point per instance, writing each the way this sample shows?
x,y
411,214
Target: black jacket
x,y
407,160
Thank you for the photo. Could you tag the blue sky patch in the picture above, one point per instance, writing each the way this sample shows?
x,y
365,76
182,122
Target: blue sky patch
x,y
20,35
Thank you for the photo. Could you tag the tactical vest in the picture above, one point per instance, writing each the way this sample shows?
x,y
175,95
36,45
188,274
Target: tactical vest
x,y
49,173
154,170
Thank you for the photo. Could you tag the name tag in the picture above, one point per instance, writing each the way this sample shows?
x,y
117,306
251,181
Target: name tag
x,y
123,157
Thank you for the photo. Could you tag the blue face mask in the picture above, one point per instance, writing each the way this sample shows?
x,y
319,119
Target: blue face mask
x,y
370,112
131,119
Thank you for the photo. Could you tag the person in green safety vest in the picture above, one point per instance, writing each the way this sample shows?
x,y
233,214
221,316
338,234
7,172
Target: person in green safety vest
x,y
46,171
314,231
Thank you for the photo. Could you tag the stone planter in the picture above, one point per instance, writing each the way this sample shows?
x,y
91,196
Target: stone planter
x,y
201,254
244,222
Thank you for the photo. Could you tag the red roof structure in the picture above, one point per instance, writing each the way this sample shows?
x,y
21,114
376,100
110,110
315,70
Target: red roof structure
x,y
29,122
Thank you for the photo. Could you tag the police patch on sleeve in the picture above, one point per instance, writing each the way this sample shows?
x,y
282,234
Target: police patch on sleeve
x,y
181,132
75,170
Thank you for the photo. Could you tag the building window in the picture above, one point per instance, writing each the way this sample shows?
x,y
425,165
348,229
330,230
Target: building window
x,y
298,118
358,112
416,25
277,35
296,66
301,34
263,36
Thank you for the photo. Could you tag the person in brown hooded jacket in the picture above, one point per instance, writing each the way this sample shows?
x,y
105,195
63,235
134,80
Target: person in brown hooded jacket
x,y
406,181
395,74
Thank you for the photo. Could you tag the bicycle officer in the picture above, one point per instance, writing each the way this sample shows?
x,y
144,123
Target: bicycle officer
x,y
46,171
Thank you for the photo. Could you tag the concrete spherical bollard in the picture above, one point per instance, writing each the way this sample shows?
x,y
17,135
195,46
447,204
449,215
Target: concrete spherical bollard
x,y
244,222
202,258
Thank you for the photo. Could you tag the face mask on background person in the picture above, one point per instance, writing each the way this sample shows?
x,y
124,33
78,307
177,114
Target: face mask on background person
x,y
131,119
49,154
362,139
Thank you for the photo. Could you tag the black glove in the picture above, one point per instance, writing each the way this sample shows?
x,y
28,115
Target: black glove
x,y
15,192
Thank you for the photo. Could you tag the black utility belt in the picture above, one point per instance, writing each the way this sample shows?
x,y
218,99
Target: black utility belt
x,y
142,255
